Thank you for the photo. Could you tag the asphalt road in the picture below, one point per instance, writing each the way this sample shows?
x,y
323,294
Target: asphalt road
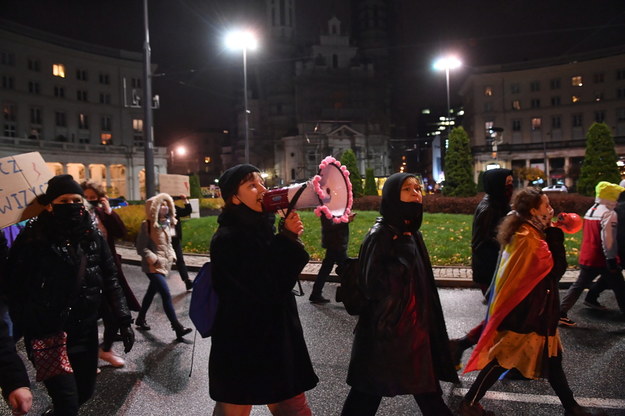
x,y
156,381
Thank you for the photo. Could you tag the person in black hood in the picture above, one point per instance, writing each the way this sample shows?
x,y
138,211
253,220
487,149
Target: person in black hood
x,y
484,245
57,296
258,354
401,344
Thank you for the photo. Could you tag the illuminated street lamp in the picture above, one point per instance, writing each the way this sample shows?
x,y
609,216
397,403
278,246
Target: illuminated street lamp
x,y
446,63
181,151
243,40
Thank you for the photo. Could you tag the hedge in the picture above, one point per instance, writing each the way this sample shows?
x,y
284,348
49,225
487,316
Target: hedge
x,y
433,203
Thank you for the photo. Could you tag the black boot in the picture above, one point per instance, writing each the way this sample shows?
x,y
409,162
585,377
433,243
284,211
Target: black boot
x,y
140,323
188,284
457,347
180,330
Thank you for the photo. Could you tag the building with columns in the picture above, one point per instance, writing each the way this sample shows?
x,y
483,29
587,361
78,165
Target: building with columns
x,y
536,113
78,105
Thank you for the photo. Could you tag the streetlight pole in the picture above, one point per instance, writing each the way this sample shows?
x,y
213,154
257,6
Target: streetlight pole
x,y
244,40
148,148
247,113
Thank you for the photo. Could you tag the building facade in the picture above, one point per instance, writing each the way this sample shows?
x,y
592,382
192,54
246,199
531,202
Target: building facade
x,y
536,114
78,105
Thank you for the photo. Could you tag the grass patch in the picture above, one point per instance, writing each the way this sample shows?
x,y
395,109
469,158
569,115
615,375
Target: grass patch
x,y
447,236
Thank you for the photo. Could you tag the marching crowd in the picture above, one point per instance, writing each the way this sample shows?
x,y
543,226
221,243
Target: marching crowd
x,y
62,273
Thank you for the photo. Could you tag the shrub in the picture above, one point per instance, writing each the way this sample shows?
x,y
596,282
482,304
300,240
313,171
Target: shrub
x,y
349,160
599,161
370,186
132,216
459,165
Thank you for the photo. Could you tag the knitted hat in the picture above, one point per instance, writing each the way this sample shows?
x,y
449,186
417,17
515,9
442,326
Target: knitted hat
x,y
60,185
231,178
608,191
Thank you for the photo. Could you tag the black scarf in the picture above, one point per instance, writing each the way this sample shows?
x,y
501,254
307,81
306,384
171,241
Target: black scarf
x,y
407,216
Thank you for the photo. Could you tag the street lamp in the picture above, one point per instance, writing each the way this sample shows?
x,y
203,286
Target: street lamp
x,y
180,151
446,63
243,40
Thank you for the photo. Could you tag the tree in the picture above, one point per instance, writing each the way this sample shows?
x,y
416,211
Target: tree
x,y
459,165
370,187
194,186
349,160
600,160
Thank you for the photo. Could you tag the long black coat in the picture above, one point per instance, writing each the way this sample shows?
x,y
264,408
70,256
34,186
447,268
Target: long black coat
x,y
12,371
258,353
488,214
401,344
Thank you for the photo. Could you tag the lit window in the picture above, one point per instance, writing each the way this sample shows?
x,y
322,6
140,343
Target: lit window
x,y
58,70
576,81
488,91
137,125
575,99
516,104
536,123
106,138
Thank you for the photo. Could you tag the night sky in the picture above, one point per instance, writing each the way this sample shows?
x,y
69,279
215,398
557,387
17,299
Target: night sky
x,y
197,93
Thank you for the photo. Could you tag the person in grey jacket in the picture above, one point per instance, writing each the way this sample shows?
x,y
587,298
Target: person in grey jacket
x,y
157,256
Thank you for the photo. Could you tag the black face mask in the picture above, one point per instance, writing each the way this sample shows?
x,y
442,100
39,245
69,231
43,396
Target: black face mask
x,y
411,211
68,215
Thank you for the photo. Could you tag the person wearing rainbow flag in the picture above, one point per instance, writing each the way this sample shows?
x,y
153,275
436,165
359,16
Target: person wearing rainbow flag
x,y
521,330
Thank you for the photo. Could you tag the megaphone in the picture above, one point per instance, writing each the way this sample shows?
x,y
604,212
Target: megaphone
x,y
569,222
330,191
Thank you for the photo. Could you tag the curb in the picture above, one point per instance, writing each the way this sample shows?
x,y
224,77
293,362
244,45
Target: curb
x,y
448,277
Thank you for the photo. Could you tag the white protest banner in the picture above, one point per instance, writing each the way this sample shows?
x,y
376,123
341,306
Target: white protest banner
x,y
174,185
22,178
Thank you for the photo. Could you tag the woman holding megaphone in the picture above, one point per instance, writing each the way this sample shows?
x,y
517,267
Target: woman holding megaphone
x,y
258,353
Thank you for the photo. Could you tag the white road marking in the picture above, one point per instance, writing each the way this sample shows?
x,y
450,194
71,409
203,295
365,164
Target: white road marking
x,y
546,399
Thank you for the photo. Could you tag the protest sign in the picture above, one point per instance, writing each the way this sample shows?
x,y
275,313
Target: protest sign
x,y
174,185
22,178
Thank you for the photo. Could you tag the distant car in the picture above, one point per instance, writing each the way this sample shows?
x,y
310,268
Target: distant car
x,y
555,188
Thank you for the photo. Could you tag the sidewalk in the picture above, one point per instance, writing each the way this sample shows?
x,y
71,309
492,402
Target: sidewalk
x,y
451,276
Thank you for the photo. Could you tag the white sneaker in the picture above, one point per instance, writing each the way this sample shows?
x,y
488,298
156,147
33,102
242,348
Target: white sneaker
x,y
110,357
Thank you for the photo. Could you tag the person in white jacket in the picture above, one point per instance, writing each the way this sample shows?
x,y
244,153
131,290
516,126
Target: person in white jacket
x,y
157,256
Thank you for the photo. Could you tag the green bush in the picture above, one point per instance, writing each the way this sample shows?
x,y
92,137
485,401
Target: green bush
x,y
132,216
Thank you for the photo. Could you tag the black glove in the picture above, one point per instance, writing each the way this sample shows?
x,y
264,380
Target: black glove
x,y
128,337
612,265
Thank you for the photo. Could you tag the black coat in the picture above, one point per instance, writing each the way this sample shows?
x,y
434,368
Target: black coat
x,y
401,344
42,274
258,353
12,371
488,214
334,236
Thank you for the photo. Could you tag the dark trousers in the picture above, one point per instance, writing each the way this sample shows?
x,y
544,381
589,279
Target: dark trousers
x,y
491,373
331,258
69,391
359,403
158,283
584,280
612,281
180,264
111,327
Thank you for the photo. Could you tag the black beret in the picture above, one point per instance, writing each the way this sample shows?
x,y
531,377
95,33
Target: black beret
x,y
60,185
231,179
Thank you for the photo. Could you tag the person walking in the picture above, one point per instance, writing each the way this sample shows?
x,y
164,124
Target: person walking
x,y
258,354
493,207
176,241
157,256
334,238
60,270
401,344
521,330
112,227
598,255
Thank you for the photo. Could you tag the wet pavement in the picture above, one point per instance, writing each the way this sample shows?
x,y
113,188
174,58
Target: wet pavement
x,y
156,380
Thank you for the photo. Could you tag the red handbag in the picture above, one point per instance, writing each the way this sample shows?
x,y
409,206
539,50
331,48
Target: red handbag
x,y
50,356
